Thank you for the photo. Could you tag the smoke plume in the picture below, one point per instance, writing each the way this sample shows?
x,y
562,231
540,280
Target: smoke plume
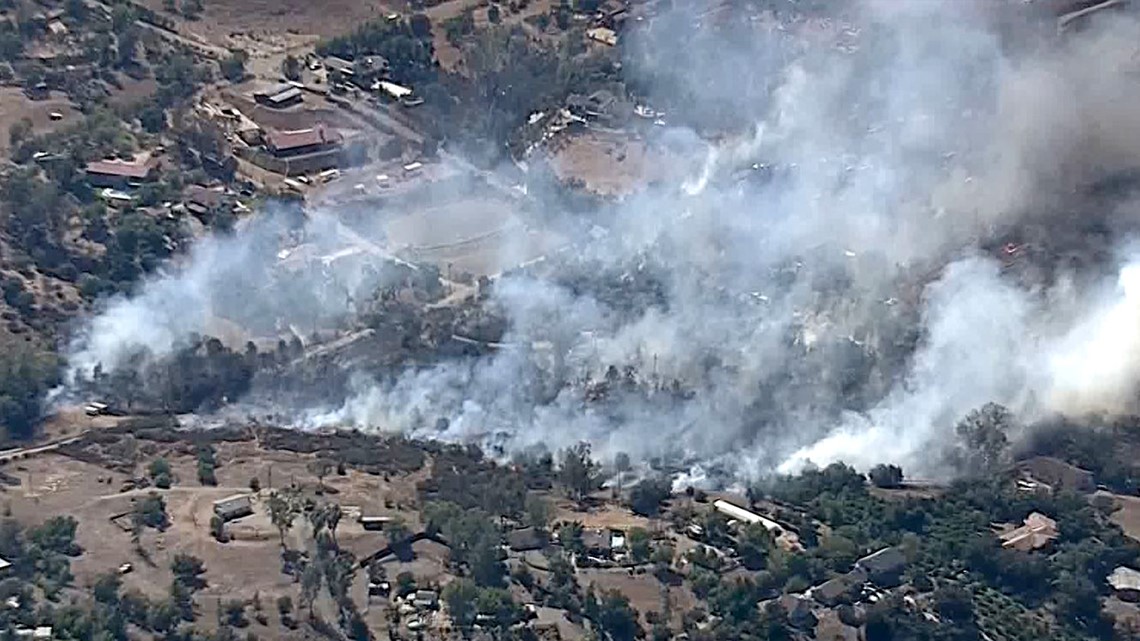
x,y
895,231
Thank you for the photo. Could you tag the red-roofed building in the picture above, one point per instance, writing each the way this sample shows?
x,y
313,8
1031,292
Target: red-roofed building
x,y
120,173
304,141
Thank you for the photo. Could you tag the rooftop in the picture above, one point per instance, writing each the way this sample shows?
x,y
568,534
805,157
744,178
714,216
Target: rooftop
x,y
1123,578
885,560
1037,532
121,168
282,140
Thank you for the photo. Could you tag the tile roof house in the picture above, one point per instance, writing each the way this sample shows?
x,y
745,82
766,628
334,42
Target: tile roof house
x,y
1037,532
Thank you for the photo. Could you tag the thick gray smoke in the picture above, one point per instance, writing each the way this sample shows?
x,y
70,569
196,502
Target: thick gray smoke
x,y
822,287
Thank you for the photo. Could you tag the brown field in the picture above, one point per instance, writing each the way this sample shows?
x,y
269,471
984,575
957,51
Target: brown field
x,y
608,163
608,516
1128,516
644,591
478,236
250,563
266,17
15,106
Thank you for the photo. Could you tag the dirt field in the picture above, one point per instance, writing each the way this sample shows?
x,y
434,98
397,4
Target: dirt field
x,y
222,18
250,563
645,592
15,106
608,517
609,164
1128,516
479,236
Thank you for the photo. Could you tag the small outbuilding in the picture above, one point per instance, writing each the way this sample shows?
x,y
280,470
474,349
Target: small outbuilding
x,y
233,507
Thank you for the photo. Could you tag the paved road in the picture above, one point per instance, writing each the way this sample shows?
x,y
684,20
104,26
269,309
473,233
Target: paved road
x,y
21,452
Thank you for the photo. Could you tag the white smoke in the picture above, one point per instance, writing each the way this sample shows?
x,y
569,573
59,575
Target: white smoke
x,y
891,163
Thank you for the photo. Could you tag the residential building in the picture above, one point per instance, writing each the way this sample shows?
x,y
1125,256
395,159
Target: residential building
x,y
233,507
737,513
884,566
284,144
1037,532
285,98
604,35
839,590
1126,583
426,599
797,607
120,174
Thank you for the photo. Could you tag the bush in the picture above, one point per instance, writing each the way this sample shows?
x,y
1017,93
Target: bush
x,y
886,476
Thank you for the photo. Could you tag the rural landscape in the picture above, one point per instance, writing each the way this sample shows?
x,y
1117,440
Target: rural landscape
x,y
722,320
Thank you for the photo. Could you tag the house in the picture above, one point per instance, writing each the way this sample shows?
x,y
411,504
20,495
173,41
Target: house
x,y
394,90
379,589
120,174
737,513
233,507
839,590
1037,532
426,599
1126,583
1057,474
303,141
884,566
604,35
282,99
526,539
797,607
345,67
202,201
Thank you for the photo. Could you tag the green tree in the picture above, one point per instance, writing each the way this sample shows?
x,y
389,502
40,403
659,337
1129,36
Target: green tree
x,y
578,473
886,476
218,528
753,546
233,67
538,512
646,497
282,512
640,545
291,67
460,595
188,570
106,588
192,9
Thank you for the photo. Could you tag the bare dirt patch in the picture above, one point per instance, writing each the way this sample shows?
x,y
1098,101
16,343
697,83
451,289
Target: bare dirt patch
x,y
15,106
608,163
1128,516
645,592
222,18
478,236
